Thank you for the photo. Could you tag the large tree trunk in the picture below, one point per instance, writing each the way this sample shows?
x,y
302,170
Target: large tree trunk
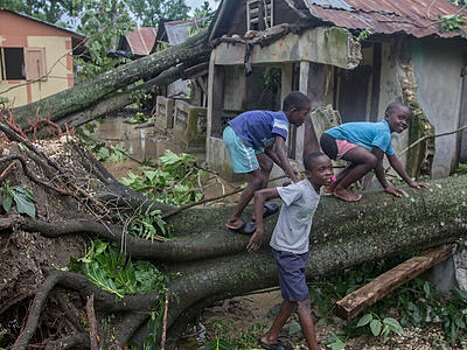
x,y
84,95
120,100
211,262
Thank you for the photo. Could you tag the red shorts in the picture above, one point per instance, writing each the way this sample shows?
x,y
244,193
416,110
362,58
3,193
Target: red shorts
x,y
343,146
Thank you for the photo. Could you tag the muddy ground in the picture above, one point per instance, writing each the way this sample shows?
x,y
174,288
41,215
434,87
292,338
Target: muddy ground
x,y
242,320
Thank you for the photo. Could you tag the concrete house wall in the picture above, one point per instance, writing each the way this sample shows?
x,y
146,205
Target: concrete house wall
x,y
52,48
438,66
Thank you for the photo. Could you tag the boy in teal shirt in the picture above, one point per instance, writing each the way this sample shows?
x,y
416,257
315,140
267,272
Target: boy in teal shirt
x,y
364,145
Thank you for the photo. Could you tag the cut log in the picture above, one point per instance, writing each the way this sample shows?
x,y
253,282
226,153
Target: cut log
x,y
354,303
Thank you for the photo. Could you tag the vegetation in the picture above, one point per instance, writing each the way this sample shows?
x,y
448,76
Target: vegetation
x,y
150,12
120,276
116,274
148,224
139,118
175,180
22,197
103,153
451,23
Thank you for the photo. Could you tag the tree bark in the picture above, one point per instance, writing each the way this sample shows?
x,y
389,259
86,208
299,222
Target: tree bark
x,y
83,95
120,100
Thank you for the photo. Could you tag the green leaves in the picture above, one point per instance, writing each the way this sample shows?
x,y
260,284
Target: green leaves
x,y
217,344
103,153
380,327
151,12
21,196
175,180
149,225
365,320
117,275
375,326
294,328
139,118
364,34
335,342
451,23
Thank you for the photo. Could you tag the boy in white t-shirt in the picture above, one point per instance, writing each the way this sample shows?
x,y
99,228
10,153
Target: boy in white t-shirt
x,y
290,244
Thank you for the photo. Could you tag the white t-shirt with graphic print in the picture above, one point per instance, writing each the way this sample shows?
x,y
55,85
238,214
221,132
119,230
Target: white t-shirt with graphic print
x,y
292,231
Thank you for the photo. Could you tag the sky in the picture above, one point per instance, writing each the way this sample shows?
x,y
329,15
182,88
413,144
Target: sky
x,y
197,3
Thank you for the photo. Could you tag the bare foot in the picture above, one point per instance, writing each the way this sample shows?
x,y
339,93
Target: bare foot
x,y
347,195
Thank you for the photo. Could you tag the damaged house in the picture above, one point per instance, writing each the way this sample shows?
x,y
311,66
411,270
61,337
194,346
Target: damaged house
x,y
352,56
36,58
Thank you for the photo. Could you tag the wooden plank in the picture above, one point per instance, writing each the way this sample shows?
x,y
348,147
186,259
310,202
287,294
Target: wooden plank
x,y
354,303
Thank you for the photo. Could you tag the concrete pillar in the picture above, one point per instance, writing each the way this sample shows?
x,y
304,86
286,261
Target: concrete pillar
x,y
311,84
303,84
463,118
286,80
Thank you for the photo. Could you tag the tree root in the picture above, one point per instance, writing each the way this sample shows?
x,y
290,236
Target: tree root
x,y
33,178
193,247
12,135
136,308
36,124
70,315
93,335
30,326
69,342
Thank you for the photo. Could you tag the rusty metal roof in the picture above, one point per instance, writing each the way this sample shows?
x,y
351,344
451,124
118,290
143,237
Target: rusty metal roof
x,y
414,17
141,40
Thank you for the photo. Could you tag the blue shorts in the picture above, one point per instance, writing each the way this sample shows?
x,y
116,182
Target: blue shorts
x,y
243,157
291,268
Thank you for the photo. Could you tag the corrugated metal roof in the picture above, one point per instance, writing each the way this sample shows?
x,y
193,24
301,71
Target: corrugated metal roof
x,y
415,17
141,40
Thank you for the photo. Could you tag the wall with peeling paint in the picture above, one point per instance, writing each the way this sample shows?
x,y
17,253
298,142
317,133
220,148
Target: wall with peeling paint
x,y
438,66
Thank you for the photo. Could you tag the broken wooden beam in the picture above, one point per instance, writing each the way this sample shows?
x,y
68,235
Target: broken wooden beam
x,y
354,303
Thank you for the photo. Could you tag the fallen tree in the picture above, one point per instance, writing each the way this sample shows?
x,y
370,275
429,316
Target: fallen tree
x,y
204,261
89,93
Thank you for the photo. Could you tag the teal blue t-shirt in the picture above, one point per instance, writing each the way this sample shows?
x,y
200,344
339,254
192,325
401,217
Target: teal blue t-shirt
x,y
365,134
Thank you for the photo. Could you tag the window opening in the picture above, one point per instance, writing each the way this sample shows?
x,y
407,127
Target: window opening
x,y
259,14
13,63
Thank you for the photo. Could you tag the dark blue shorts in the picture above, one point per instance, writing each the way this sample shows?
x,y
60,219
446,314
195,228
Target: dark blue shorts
x,y
291,268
